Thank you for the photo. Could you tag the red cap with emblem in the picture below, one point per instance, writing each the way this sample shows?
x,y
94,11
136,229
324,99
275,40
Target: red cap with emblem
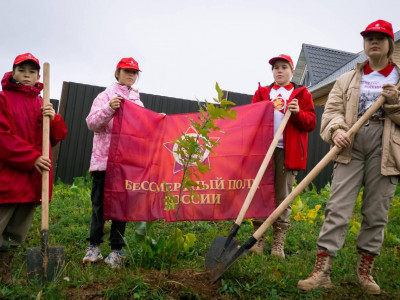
x,y
379,26
25,57
128,63
281,57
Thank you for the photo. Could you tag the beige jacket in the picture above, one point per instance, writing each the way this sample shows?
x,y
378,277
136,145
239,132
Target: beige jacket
x,y
341,112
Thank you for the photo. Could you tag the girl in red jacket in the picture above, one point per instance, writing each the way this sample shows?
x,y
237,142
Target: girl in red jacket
x,y
21,160
290,154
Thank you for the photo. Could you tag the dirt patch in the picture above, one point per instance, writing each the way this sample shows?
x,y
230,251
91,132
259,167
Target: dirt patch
x,y
185,284
182,284
92,291
6,260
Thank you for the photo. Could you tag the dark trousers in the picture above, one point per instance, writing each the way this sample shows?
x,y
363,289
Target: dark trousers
x,y
97,222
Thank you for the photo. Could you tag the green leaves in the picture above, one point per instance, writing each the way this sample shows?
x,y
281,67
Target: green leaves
x,y
142,228
164,250
191,147
189,242
219,91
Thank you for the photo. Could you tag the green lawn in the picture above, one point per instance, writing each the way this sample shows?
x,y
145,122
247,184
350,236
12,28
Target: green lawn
x,y
145,276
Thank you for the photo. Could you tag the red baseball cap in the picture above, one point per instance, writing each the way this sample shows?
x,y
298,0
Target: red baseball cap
x,y
128,63
24,57
281,57
379,26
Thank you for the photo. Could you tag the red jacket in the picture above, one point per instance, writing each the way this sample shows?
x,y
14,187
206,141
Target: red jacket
x,y
21,141
295,135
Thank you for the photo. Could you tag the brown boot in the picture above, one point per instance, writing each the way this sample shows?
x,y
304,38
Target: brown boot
x,y
278,244
320,276
259,246
364,278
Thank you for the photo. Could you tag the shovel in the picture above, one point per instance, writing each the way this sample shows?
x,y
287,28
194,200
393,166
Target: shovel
x,y
234,253
221,245
44,262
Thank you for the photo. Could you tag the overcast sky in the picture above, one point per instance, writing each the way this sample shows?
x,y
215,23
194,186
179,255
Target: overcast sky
x,y
183,47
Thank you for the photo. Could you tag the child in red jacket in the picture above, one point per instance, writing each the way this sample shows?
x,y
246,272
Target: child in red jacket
x,y
21,160
290,154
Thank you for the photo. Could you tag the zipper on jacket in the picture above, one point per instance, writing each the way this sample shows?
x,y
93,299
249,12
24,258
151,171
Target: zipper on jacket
x,y
302,150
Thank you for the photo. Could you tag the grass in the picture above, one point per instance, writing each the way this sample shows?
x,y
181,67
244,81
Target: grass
x,y
251,277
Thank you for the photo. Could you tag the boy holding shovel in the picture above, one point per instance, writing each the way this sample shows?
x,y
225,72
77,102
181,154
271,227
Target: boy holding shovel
x,y
290,154
21,160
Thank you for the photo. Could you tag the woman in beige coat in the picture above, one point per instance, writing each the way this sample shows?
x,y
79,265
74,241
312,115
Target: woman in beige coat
x,y
370,159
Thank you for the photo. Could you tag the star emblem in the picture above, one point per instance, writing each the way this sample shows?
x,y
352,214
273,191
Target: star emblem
x,y
279,103
179,161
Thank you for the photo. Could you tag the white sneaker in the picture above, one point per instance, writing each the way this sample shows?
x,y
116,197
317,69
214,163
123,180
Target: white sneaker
x,y
93,254
114,259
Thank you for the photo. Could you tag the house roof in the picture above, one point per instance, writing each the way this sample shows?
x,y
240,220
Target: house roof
x,y
397,36
324,85
320,61
361,57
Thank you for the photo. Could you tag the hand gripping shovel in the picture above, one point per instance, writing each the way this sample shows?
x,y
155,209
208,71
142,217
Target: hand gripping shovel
x,y
234,253
222,246
44,262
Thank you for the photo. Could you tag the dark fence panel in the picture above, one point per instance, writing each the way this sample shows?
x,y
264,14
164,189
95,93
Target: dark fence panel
x,y
74,153
168,105
239,99
317,149
55,103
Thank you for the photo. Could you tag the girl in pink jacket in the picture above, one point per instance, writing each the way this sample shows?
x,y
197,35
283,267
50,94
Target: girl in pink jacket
x,y
100,120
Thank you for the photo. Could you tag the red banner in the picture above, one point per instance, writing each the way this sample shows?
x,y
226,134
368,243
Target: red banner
x,y
142,163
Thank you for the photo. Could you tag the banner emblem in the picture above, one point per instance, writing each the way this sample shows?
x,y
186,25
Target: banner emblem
x,y
173,148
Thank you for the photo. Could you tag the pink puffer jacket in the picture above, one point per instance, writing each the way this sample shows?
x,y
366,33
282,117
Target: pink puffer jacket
x,y
100,120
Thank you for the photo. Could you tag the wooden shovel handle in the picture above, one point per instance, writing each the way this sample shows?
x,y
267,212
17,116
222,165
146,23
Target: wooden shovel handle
x,y
316,170
262,169
45,147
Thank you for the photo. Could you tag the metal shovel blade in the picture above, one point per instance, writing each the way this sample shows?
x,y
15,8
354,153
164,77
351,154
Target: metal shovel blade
x,y
42,265
229,258
221,248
